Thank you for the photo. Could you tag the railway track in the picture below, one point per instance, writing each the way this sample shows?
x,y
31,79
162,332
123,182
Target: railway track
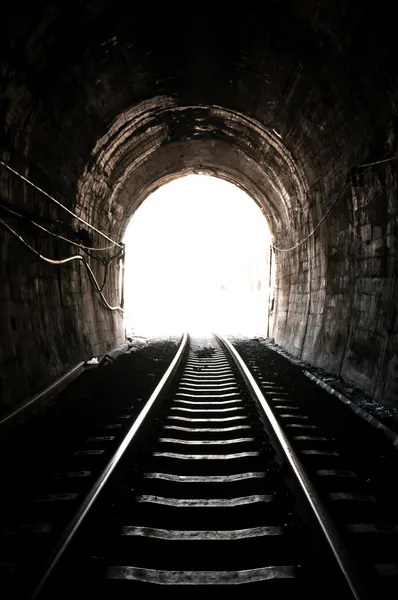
x,y
206,492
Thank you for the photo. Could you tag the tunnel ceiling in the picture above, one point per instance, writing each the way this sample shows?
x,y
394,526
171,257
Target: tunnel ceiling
x,y
127,98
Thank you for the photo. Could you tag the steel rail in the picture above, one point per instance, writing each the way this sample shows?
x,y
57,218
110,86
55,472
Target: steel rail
x,y
82,512
346,564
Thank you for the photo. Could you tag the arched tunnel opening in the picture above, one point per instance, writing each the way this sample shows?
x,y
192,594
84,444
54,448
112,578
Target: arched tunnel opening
x,y
197,259
296,105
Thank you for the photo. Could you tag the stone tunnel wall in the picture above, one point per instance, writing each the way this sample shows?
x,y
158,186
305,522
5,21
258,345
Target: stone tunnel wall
x,y
51,317
323,75
343,318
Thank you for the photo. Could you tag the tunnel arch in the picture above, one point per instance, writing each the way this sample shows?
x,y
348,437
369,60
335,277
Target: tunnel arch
x,y
141,151
209,139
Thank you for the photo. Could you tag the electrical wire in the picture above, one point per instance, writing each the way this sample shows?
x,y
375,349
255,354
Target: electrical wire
x,y
61,237
10,210
59,203
105,262
368,165
317,226
377,162
121,246
63,261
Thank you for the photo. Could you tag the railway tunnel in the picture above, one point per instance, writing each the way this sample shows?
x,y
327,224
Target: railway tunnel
x,y
293,101
198,460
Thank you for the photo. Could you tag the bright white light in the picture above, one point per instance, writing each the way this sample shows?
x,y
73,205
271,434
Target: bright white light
x,y
197,259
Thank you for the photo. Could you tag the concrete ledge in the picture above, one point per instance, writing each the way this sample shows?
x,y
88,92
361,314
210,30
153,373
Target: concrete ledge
x,y
390,435
19,413
42,397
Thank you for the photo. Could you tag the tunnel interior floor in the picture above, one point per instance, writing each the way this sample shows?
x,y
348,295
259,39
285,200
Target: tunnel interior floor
x,y
128,380
371,452
44,445
386,413
39,445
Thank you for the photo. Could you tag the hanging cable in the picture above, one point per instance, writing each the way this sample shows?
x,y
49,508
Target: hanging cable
x,y
62,262
106,262
5,165
60,237
377,162
317,226
367,165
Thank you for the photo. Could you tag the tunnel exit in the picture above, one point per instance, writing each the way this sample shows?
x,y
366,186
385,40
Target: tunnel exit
x,y
197,258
